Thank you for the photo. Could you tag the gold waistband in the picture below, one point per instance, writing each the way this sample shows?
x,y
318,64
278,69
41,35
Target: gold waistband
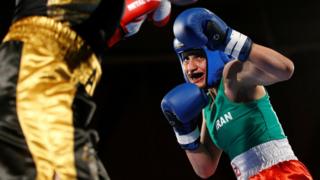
x,y
47,29
57,43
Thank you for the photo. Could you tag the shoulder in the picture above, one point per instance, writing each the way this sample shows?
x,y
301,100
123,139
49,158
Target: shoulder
x,y
231,68
235,86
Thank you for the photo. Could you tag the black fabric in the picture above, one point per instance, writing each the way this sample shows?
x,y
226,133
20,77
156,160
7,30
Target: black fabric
x,y
6,15
83,108
26,8
15,160
10,53
88,164
101,25
16,163
86,139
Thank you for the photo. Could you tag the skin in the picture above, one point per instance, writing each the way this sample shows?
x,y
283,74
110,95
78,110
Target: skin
x,y
243,82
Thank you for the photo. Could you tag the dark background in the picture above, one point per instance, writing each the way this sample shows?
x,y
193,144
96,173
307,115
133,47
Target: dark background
x,y
136,140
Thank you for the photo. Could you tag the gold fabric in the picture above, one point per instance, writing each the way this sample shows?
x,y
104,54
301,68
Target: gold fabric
x,y
54,61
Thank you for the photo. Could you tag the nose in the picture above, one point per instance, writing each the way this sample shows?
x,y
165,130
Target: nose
x,y
192,64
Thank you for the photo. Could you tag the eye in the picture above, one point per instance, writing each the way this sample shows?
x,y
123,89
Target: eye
x,y
186,60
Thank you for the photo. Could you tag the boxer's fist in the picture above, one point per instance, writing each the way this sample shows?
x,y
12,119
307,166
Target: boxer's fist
x,y
198,27
181,106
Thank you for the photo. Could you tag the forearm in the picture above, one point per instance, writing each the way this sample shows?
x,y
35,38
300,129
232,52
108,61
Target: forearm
x,y
205,159
203,162
271,62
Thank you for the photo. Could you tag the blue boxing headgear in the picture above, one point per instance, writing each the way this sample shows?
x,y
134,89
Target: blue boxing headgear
x,y
215,61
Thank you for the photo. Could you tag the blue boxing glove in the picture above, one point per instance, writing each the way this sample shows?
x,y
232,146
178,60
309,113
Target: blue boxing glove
x,y
198,27
181,106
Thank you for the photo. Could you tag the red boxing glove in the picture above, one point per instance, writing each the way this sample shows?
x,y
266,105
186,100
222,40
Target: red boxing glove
x,y
161,15
136,8
135,14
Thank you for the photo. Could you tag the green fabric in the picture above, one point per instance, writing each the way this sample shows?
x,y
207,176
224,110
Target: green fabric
x,y
236,127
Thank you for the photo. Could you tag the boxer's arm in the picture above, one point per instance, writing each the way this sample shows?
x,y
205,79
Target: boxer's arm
x,y
205,159
265,66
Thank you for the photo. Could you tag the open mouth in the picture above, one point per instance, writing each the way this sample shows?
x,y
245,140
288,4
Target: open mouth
x,y
196,76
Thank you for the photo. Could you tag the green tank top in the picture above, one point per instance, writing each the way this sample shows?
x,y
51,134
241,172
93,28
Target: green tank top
x,y
237,127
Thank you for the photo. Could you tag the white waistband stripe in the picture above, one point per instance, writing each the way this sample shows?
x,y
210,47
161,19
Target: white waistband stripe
x,y
262,157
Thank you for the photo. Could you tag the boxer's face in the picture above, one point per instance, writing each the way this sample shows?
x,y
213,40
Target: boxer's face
x,y
195,66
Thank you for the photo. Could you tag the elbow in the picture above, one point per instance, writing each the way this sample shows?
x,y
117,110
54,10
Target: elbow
x,y
288,72
284,72
204,176
205,173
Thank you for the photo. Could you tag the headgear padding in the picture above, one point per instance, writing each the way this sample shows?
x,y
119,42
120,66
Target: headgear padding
x,y
215,61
